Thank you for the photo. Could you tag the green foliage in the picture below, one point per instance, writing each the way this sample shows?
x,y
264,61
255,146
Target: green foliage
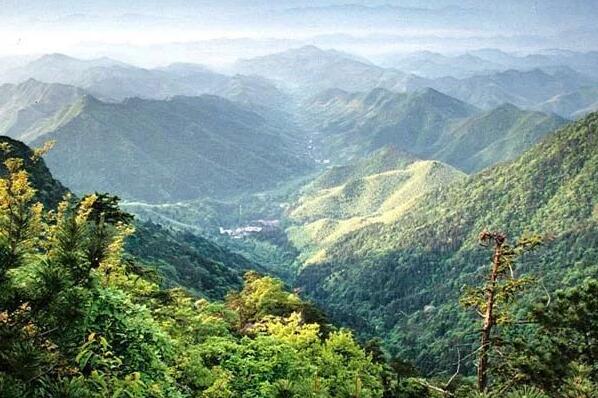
x,y
557,351
47,190
402,280
76,321
185,259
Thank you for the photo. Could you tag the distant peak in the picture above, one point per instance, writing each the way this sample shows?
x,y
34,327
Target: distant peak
x,y
309,48
55,57
89,100
30,82
506,107
430,92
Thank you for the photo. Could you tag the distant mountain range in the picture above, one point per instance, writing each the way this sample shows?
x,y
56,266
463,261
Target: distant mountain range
x,y
522,88
113,81
481,80
309,70
434,65
483,61
484,78
281,112
426,123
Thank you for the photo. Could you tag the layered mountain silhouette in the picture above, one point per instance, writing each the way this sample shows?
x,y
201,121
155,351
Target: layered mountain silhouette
x,y
427,123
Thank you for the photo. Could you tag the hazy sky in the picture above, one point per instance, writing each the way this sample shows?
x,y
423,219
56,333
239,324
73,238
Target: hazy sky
x,y
187,30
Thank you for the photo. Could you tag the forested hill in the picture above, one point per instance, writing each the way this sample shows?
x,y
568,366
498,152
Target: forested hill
x,y
402,280
80,319
427,123
181,259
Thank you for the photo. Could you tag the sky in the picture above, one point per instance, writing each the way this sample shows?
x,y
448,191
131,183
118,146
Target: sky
x,y
152,32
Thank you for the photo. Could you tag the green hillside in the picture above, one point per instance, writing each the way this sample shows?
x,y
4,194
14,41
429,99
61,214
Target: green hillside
x,y
402,279
183,259
494,136
325,213
356,123
385,159
427,123
182,148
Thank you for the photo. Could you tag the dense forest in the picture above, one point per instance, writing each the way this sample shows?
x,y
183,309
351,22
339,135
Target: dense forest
x,y
400,278
299,199
81,317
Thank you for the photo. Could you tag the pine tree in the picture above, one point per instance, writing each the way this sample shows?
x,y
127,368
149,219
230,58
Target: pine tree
x,y
491,300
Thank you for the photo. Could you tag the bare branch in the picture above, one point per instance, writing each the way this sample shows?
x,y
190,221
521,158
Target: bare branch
x,y
433,387
448,383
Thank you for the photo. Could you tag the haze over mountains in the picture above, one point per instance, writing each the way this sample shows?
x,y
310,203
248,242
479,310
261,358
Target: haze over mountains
x,y
353,151
293,109
311,159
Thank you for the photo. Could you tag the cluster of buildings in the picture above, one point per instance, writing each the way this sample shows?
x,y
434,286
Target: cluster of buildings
x,y
255,227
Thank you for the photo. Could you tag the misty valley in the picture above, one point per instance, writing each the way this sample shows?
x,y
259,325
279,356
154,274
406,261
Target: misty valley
x,y
306,220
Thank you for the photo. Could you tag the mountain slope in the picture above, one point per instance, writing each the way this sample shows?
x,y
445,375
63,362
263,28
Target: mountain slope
x,y
188,260
494,136
427,123
358,123
253,91
183,148
572,105
345,199
30,108
403,279
181,258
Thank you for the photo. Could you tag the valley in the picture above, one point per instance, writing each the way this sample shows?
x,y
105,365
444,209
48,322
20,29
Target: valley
x,y
304,223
